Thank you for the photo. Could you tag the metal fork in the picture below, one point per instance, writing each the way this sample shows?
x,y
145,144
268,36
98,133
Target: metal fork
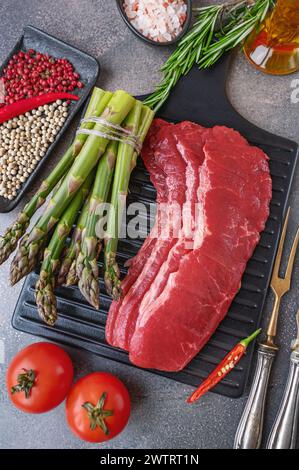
x,y
283,434
249,432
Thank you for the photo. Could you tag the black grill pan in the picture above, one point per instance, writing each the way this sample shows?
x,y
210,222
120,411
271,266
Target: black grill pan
x,y
199,97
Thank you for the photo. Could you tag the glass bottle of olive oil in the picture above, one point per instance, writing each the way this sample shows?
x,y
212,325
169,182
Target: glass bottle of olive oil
x,y
274,47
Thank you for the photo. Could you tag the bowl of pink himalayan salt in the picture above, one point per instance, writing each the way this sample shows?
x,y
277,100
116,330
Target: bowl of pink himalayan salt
x,y
158,22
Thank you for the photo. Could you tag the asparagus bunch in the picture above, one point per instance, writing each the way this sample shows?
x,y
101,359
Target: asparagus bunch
x,y
138,122
115,112
100,154
87,266
9,241
44,290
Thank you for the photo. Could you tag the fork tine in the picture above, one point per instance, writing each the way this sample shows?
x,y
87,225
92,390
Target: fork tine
x,y
290,266
275,274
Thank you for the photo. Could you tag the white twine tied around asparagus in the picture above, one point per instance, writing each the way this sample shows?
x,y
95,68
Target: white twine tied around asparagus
x,y
111,132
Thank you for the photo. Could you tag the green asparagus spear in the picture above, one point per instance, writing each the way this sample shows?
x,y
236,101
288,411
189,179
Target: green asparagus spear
x,y
87,266
72,278
68,265
44,290
138,121
115,112
126,162
12,235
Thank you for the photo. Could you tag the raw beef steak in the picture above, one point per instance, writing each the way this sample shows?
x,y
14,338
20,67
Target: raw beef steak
x,y
176,296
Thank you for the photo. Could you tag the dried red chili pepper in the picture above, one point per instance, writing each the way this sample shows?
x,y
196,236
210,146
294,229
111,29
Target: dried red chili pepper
x,y
224,368
23,106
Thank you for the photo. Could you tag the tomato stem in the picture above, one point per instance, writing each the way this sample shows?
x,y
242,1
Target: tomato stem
x,y
97,414
25,382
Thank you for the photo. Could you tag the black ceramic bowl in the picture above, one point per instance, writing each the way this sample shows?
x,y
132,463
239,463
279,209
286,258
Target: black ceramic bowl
x,y
150,41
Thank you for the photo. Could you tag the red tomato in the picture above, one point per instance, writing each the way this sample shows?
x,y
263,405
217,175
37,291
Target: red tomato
x,y
98,407
39,377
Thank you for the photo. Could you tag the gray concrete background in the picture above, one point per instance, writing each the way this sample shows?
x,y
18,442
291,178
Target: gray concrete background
x,y
160,418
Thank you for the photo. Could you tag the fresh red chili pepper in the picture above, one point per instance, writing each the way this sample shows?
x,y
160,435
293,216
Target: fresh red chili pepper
x,y
224,368
23,106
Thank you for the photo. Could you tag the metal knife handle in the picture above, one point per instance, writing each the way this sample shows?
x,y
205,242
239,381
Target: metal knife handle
x,y
249,432
284,432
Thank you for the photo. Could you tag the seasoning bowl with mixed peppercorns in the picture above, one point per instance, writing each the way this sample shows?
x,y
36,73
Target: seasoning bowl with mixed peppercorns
x,y
31,78
43,83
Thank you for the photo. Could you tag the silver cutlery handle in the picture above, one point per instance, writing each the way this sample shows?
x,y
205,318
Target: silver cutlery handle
x,y
284,432
249,432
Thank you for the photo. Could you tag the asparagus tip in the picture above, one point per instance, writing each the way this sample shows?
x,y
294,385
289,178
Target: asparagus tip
x,y
72,278
9,241
112,282
89,284
46,300
15,274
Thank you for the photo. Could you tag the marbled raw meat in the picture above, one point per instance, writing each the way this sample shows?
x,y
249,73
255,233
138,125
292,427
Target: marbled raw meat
x,y
235,192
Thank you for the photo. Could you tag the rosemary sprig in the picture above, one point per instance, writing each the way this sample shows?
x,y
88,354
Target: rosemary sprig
x,y
234,33
217,29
